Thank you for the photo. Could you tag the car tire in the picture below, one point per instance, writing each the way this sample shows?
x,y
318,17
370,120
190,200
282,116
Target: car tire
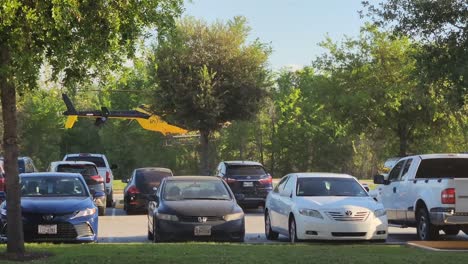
x,y
157,238
269,233
425,229
101,211
292,231
451,230
150,236
110,199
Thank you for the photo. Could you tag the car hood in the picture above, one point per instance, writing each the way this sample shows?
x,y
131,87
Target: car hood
x,y
337,202
200,207
54,205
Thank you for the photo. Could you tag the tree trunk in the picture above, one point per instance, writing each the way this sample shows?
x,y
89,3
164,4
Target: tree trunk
x,y
204,152
403,133
10,146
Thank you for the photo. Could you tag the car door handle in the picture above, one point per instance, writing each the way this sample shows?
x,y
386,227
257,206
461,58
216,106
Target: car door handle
x,y
394,189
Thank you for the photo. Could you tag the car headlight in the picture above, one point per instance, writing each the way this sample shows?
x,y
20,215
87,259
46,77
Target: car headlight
x,y
311,213
232,217
86,212
380,212
167,217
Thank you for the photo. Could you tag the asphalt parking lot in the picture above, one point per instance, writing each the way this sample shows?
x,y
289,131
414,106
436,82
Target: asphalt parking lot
x,y
117,227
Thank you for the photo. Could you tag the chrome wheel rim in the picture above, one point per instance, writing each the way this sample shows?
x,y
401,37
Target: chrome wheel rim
x,y
422,227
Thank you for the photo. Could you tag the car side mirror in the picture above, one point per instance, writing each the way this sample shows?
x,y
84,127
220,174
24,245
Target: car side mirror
x,y
114,166
367,188
379,179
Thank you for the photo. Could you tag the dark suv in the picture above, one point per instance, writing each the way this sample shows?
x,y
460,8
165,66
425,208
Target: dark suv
x,y
25,165
248,181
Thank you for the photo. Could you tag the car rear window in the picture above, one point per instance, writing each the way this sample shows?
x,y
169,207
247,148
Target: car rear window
x,y
96,160
145,180
245,170
443,168
83,169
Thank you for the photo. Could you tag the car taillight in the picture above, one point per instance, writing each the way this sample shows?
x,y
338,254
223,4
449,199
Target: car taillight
x,y
107,177
267,180
230,180
97,178
2,184
133,190
448,196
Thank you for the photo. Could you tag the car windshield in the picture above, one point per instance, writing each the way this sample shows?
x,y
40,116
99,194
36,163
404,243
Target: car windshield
x,y
96,160
37,186
195,190
245,170
147,179
83,169
328,186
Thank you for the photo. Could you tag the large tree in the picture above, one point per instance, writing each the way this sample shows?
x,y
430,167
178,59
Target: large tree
x,y
78,39
441,28
208,75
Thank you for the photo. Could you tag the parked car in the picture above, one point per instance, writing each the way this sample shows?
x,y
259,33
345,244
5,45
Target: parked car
x,y
25,165
104,169
247,178
91,176
56,207
195,208
323,206
429,192
141,185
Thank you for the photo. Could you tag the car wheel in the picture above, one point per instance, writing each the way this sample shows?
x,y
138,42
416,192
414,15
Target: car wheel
x,y
451,230
150,236
425,229
110,199
101,211
157,238
269,233
292,231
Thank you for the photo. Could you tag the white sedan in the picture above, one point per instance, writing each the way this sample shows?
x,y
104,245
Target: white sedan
x,y
323,206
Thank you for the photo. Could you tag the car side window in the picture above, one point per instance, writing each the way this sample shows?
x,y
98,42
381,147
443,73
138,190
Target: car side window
x,y
406,169
281,184
289,187
395,173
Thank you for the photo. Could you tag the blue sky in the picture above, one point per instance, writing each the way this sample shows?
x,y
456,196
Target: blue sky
x,y
293,27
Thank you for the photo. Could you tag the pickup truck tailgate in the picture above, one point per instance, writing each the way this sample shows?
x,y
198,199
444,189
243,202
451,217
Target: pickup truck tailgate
x,y
461,192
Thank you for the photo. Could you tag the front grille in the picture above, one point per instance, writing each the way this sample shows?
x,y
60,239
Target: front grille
x,y
342,216
65,231
348,234
194,219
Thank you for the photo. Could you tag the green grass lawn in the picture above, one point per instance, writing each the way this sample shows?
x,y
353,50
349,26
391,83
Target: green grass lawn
x,y
118,185
239,253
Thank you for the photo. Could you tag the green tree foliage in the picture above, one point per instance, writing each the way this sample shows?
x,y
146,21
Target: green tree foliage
x,y
376,80
78,39
207,75
441,28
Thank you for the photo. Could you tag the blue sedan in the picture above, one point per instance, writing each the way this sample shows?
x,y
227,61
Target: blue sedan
x,y
56,207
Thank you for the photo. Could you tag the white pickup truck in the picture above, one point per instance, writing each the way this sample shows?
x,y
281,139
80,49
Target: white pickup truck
x,y
429,192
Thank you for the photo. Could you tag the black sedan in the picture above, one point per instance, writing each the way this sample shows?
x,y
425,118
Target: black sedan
x,y
141,185
195,208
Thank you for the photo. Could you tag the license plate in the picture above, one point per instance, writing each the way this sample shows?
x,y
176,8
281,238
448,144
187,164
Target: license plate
x,y
204,230
248,184
47,229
